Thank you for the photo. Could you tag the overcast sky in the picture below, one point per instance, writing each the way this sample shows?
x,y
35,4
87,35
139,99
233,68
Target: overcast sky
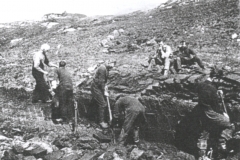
x,y
18,10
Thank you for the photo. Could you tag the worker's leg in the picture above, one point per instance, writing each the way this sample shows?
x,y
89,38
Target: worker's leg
x,y
101,103
199,61
130,118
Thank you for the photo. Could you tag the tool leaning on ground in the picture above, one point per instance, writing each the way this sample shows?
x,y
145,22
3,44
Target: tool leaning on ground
x,y
109,107
106,93
224,107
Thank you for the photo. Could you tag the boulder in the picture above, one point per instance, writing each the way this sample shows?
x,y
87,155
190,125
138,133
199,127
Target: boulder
x,y
5,139
116,33
49,24
35,150
54,155
14,42
121,31
136,153
72,156
19,146
69,30
9,155
102,138
151,42
86,139
29,158
234,35
110,37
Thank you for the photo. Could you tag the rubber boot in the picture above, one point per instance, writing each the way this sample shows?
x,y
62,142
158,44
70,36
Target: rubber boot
x,y
165,72
173,71
136,135
202,146
122,137
101,112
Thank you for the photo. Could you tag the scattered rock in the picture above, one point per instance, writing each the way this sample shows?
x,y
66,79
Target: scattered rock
x,y
116,33
136,153
72,156
121,31
151,42
54,155
19,146
29,158
234,35
35,150
110,37
5,139
14,42
49,24
69,30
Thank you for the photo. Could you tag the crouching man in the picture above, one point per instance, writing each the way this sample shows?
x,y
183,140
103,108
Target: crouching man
x,y
132,113
214,118
64,94
187,57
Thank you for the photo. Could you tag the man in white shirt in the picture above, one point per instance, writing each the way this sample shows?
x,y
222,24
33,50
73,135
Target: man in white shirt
x,y
163,56
42,90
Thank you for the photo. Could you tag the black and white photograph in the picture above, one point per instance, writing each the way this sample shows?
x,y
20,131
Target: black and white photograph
x,y
120,80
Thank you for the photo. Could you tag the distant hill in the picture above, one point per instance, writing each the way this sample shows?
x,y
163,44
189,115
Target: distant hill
x,y
207,26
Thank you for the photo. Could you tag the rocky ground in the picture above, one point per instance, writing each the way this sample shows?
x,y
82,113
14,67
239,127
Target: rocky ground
x,y
27,133
211,28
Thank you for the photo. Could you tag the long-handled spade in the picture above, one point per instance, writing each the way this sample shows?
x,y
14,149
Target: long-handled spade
x,y
76,116
224,107
110,116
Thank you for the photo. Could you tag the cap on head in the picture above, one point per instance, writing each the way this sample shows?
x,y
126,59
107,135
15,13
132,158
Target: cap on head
x,y
45,47
62,64
110,63
215,72
161,43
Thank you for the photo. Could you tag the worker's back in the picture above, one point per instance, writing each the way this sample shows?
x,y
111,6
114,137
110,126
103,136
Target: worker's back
x,y
65,79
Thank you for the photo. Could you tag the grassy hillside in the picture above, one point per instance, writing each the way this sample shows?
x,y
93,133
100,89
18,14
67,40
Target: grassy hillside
x,y
208,28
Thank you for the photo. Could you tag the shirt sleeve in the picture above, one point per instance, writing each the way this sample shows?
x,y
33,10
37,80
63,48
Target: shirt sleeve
x,y
119,108
116,109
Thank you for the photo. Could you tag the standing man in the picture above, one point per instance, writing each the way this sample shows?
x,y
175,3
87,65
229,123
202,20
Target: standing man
x,y
64,93
132,113
187,57
41,91
99,92
163,57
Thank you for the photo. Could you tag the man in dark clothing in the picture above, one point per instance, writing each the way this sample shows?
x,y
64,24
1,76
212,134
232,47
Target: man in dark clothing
x,y
64,93
213,118
41,91
132,112
187,57
99,92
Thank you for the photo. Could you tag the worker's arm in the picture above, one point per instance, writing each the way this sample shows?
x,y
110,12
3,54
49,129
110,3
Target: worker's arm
x,y
101,76
56,77
50,64
116,111
191,53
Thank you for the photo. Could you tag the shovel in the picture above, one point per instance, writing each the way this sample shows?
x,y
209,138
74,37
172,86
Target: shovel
x,y
110,117
224,107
